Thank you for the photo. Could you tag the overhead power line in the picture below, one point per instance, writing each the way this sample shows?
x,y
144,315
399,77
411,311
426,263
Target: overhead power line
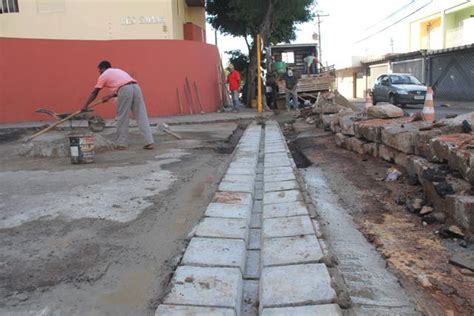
x,y
391,15
396,22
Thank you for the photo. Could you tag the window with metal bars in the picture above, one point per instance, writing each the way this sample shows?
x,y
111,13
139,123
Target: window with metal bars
x,y
9,6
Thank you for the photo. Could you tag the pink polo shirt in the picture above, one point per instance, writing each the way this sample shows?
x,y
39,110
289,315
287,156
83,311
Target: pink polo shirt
x,y
113,78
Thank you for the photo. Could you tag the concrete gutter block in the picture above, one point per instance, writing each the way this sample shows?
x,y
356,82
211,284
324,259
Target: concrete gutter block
x,y
275,170
279,149
246,187
233,228
240,171
241,211
291,250
233,198
323,310
282,197
250,167
279,177
295,284
279,163
287,227
280,186
256,221
284,209
210,287
275,156
252,266
250,298
255,239
179,310
239,178
215,252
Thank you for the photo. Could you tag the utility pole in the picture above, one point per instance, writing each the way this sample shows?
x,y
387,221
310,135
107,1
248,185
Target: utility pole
x,y
319,15
259,80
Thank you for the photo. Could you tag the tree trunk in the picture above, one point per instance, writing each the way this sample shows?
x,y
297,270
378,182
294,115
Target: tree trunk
x,y
264,30
251,73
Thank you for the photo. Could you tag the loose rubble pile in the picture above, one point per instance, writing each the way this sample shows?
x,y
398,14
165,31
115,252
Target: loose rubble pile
x,y
439,156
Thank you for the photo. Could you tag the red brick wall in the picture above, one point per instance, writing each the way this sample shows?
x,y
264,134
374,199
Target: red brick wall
x,y
59,74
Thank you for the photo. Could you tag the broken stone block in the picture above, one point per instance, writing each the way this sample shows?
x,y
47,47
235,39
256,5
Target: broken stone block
x,y
372,129
426,210
371,149
385,111
443,145
463,260
422,144
341,140
435,217
462,160
414,205
455,125
402,159
464,211
451,232
327,119
346,122
402,137
329,108
356,145
387,153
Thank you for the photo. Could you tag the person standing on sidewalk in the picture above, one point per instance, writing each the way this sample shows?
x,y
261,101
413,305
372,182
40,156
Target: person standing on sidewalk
x,y
129,98
233,79
290,91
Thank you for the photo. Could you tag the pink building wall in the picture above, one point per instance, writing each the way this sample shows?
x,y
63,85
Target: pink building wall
x,y
59,75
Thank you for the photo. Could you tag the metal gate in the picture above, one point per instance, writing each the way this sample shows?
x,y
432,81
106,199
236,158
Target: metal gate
x,y
375,72
452,75
413,66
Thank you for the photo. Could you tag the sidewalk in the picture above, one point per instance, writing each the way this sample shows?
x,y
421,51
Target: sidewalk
x,y
178,119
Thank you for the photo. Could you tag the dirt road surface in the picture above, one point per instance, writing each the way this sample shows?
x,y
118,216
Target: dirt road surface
x,y
104,238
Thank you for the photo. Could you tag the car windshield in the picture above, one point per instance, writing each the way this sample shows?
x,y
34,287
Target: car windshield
x,y
404,79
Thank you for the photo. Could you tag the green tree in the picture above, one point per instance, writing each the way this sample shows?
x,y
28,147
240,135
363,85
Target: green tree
x,y
275,20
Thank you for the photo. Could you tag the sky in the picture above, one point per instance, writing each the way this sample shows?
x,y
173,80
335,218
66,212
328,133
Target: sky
x,y
348,21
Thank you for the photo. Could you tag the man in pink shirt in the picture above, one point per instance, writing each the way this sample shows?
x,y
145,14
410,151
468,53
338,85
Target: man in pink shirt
x,y
129,98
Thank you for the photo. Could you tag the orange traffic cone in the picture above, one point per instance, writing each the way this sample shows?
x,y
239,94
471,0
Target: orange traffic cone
x,y
368,100
428,108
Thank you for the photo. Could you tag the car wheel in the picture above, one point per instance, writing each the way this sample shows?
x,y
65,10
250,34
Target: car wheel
x,y
392,100
374,101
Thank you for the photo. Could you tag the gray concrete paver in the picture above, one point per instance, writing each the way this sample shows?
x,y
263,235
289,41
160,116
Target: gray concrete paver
x,y
215,252
201,286
287,227
291,250
295,284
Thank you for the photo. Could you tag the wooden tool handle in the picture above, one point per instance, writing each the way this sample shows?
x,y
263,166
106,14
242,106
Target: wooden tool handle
x,y
50,127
